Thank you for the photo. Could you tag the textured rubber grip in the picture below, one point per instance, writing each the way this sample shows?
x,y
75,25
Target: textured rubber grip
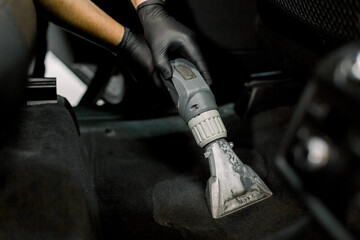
x,y
207,127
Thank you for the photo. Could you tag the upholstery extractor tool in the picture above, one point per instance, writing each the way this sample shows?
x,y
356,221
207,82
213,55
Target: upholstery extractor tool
x,y
233,185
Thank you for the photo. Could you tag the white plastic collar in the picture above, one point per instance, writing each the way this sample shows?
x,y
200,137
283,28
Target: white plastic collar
x,y
207,127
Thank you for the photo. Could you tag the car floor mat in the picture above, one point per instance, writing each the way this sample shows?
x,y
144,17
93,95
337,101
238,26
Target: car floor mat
x,y
150,178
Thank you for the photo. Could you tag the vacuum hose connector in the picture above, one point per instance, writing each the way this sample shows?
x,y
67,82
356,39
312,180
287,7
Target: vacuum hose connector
x,y
207,127
195,102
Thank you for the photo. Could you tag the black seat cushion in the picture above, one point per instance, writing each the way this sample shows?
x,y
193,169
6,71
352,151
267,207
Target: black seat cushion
x,y
17,30
45,186
299,33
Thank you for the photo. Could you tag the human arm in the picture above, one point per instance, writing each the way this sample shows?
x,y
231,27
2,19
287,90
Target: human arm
x,y
168,37
136,3
85,19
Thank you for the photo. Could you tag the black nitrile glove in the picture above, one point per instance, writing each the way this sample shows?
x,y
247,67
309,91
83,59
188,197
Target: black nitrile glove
x,y
165,35
136,55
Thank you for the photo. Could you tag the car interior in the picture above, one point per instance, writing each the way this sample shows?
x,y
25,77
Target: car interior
x,y
120,163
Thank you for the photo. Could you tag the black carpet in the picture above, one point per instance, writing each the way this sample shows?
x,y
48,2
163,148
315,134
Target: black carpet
x,y
135,179
45,186
150,177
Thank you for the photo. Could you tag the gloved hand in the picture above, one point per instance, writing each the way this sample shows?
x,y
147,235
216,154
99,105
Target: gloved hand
x,y
165,36
136,55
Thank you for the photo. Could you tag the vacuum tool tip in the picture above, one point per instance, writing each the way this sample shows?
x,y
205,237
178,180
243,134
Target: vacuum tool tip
x,y
233,185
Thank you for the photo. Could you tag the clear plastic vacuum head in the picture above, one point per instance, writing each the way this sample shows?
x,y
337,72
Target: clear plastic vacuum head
x,y
233,185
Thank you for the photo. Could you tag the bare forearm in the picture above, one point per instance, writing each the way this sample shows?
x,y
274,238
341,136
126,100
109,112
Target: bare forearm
x,y
83,18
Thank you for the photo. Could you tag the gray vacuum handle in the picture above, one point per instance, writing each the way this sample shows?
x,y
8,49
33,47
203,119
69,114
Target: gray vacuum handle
x,y
189,91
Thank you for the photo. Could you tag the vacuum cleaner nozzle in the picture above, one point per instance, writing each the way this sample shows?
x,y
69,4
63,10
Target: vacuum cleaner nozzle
x,y
232,185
